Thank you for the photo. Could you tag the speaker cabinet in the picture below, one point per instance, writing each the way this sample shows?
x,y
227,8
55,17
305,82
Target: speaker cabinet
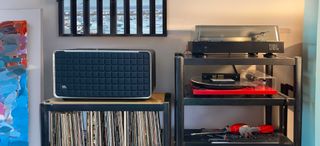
x,y
103,73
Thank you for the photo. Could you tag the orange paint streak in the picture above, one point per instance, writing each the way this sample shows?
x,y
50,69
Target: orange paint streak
x,y
21,26
12,64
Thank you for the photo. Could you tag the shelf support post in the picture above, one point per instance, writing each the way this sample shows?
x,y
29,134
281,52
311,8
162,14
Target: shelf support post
x,y
167,124
179,103
44,115
268,109
298,104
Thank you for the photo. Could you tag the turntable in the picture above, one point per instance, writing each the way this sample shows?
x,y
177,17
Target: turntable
x,y
252,39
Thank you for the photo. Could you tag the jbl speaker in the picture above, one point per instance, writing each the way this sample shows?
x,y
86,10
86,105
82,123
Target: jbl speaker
x,y
103,74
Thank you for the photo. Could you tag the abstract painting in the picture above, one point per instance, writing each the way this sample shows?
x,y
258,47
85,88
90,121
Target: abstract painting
x,y
13,84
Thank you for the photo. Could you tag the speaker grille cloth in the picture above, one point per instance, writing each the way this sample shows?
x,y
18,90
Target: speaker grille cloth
x,y
102,74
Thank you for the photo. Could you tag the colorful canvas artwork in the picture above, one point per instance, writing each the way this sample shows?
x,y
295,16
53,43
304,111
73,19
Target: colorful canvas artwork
x,y
13,84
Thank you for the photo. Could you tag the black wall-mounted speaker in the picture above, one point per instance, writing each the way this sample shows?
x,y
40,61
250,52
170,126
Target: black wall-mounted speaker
x,y
103,74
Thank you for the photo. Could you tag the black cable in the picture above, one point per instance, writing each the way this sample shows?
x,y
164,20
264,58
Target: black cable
x,y
235,69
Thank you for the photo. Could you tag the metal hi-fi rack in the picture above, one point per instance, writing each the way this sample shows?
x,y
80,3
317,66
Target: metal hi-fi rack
x,y
280,100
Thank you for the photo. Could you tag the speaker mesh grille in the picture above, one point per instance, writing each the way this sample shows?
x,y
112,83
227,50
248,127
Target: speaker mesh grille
x,y
102,74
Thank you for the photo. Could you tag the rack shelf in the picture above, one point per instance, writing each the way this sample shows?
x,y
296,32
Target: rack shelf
x,y
184,98
276,139
278,99
158,102
237,59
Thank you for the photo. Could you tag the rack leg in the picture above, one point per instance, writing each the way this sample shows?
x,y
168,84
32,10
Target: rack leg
x,y
179,103
167,125
283,111
298,105
285,122
44,115
268,109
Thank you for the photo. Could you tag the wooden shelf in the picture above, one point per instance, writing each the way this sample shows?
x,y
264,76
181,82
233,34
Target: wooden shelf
x,y
157,98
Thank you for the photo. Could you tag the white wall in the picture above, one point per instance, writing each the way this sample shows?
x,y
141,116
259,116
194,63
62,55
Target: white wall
x,y
182,16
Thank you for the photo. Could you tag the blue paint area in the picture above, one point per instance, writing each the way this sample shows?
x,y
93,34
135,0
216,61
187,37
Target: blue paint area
x,y
17,70
14,97
10,43
18,143
5,59
21,109
2,65
8,85
10,47
4,140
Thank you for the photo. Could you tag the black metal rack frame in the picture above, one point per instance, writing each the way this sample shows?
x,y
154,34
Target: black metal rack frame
x,y
165,107
280,100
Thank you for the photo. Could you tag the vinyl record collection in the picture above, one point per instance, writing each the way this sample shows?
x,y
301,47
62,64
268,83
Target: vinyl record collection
x,y
108,128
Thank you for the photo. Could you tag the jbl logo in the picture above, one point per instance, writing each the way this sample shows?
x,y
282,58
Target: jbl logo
x,y
64,87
